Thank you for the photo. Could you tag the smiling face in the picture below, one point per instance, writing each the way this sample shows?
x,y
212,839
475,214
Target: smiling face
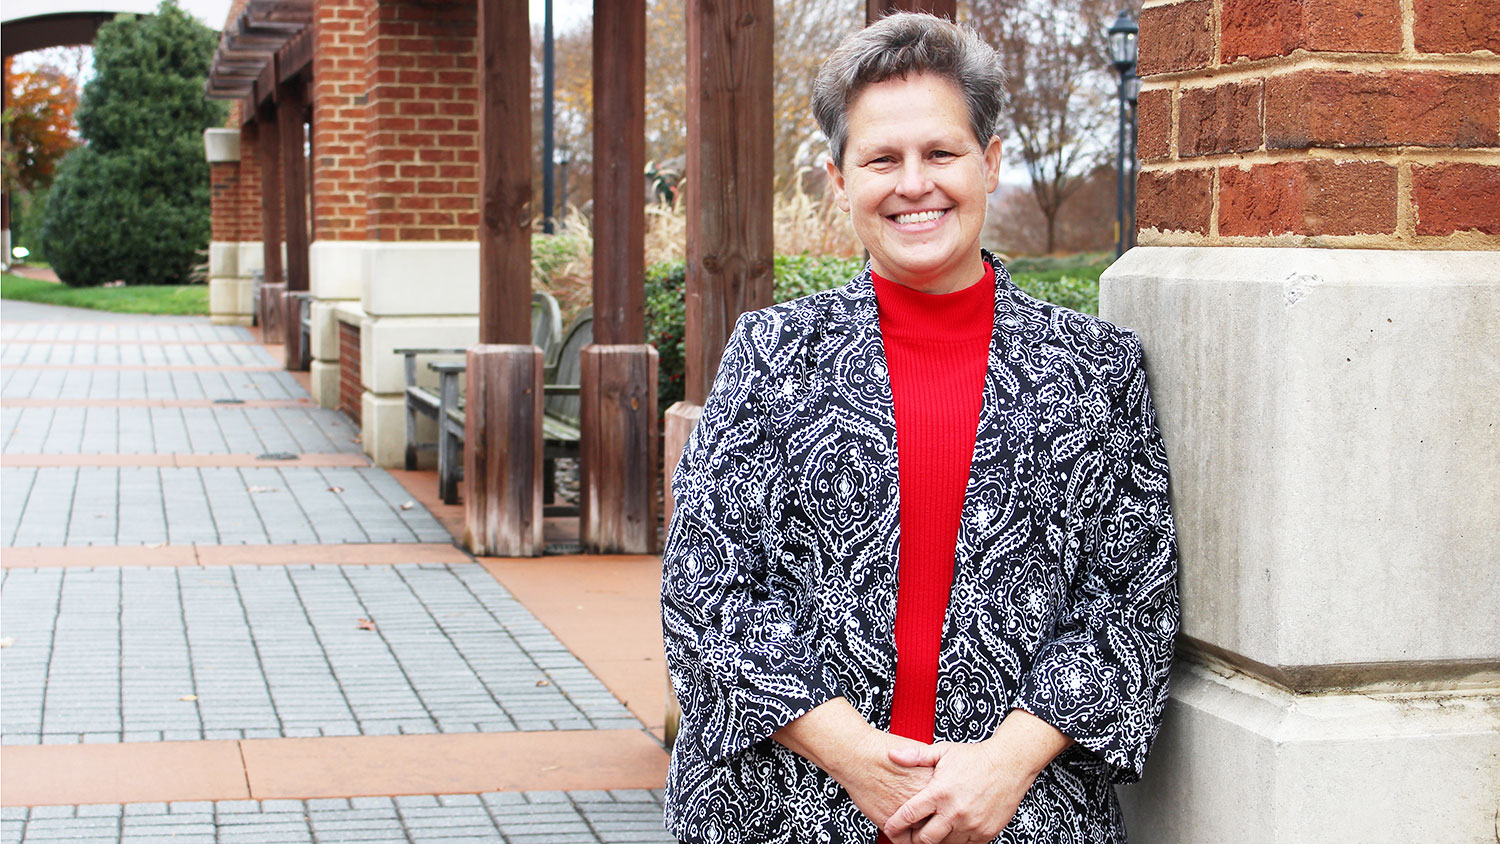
x,y
914,180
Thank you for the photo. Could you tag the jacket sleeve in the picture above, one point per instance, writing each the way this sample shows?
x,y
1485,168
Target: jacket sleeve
x,y
1102,678
739,641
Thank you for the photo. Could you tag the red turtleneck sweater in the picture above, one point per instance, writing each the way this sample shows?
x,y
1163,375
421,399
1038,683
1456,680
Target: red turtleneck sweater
x,y
936,347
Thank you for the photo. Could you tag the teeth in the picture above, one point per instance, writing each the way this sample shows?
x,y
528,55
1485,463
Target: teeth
x,y
918,217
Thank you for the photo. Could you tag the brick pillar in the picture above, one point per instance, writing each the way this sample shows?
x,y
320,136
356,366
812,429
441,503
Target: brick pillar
x,y
1318,292
339,92
417,269
230,286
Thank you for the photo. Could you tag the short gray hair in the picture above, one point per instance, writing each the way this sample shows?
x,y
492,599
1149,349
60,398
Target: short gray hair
x,y
898,46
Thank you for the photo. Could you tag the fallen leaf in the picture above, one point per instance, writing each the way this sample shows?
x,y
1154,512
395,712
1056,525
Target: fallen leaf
x,y
543,683
335,489
366,624
188,698
551,767
157,545
408,505
357,440
7,641
262,489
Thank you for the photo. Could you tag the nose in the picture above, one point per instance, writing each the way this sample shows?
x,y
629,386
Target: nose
x,y
913,179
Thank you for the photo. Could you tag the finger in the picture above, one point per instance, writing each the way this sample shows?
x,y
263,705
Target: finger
x,y
935,831
916,755
913,811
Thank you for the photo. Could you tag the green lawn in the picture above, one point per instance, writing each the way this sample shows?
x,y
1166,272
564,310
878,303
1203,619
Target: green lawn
x,y
182,300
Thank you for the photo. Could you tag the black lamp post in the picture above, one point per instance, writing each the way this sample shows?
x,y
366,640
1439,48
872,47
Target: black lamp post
x,y
564,157
1132,95
1122,54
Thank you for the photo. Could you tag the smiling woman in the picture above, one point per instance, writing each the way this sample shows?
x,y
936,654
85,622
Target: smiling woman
x,y
920,580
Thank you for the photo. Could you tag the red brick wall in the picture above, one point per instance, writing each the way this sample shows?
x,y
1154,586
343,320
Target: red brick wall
x,y
423,129
224,201
350,388
1362,123
339,93
249,195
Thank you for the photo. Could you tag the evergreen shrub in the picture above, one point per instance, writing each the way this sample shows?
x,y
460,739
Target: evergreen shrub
x,y
132,203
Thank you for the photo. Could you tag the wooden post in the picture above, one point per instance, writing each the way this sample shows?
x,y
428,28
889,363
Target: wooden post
x,y
619,448
503,423
505,172
503,451
729,176
268,145
291,110
618,452
877,9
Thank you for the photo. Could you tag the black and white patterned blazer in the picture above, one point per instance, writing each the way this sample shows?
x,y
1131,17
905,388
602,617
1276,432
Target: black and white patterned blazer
x,y
779,574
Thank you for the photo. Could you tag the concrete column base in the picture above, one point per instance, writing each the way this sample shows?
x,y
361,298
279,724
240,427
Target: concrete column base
x,y
503,451
382,371
323,377
1240,761
383,428
231,301
619,448
1330,420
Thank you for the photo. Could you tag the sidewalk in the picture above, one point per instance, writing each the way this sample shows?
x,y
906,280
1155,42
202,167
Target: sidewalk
x,y
221,623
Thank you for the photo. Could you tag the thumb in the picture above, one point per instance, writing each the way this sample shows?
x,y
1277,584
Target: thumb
x,y
916,755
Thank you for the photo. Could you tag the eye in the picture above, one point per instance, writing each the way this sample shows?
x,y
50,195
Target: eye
x,y
942,153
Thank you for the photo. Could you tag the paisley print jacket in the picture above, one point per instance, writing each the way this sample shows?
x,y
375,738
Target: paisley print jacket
x,y
779,573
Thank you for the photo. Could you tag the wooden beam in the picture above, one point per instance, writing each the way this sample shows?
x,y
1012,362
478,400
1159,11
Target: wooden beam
x,y
877,9
268,146
729,175
505,172
291,108
619,167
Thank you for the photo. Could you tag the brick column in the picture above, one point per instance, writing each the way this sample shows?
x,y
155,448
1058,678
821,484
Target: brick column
x,y
420,267
232,184
339,169
1318,292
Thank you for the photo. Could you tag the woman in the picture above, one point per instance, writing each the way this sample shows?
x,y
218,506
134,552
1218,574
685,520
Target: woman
x,y
921,578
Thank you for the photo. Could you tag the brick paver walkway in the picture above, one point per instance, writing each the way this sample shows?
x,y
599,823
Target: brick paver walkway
x,y
159,435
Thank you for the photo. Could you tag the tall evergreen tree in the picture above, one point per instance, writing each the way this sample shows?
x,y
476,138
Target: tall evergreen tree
x,y
133,202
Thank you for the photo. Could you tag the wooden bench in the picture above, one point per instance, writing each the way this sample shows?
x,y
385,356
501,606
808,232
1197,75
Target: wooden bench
x,y
560,423
546,333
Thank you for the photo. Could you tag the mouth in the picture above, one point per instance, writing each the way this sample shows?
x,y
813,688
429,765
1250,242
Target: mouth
x,y
917,217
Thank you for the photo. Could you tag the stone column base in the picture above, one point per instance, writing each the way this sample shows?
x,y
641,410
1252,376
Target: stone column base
x,y
1240,761
231,301
382,372
1330,416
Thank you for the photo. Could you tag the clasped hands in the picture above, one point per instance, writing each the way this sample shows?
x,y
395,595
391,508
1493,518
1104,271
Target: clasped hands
x,y
926,794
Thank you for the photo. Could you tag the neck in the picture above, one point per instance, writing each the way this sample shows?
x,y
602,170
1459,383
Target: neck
x,y
959,275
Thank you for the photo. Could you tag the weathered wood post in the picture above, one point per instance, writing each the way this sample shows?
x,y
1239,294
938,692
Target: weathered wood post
x,y
503,423
729,189
619,371
268,145
291,115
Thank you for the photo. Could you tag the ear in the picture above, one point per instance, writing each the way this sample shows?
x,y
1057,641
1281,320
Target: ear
x,y
836,178
992,164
